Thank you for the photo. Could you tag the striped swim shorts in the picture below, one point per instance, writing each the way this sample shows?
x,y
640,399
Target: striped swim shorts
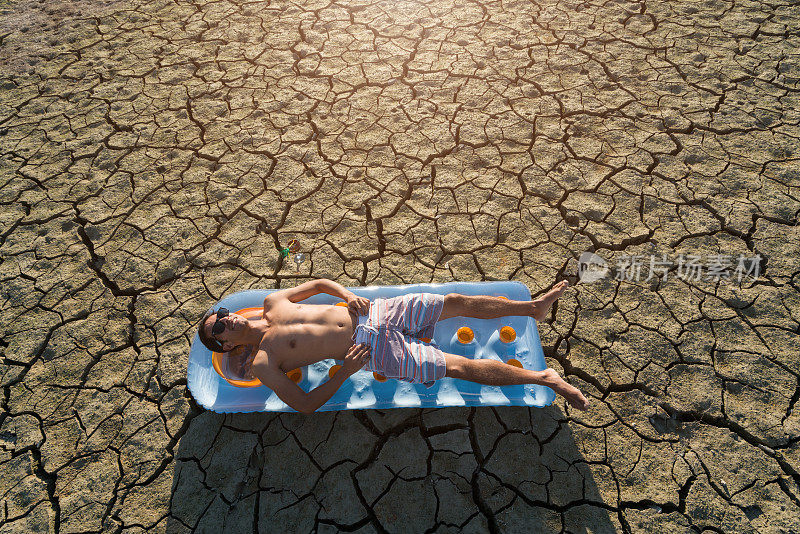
x,y
394,328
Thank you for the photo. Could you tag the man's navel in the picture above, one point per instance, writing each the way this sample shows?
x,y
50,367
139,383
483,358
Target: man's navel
x,y
292,343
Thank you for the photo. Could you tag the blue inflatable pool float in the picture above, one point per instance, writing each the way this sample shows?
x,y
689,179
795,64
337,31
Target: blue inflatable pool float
x,y
361,390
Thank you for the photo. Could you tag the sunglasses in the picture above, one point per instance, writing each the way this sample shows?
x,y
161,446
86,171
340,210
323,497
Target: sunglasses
x,y
219,327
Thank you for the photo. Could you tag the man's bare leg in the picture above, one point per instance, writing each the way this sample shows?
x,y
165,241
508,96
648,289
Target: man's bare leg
x,y
495,373
485,307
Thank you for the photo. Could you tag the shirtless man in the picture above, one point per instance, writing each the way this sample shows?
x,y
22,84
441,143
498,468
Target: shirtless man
x,y
290,335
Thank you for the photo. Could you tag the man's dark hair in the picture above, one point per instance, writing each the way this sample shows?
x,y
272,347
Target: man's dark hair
x,y
211,343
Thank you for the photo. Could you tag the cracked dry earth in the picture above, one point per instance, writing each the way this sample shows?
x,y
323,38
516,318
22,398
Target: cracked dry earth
x,y
155,156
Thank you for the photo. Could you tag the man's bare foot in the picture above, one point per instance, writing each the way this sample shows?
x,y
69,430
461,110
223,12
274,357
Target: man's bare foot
x,y
572,394
542,305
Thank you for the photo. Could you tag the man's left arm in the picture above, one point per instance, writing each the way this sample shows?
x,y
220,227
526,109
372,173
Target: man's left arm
x,y
334,288
356,304
297,293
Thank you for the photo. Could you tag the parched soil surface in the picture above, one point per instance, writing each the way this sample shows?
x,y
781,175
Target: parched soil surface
x,y
156,156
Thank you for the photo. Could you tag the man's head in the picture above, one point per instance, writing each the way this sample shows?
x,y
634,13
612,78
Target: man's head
x,y
221,331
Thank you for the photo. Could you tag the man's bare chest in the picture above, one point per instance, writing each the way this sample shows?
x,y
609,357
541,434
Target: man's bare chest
x,y
303,334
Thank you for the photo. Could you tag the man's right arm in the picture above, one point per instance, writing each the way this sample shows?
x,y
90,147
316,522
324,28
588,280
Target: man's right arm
x,y
289,392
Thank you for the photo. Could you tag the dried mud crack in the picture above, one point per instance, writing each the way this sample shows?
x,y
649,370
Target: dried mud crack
x,y
155,156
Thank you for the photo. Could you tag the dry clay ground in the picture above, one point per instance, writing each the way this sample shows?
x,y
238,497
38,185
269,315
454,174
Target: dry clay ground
x,y
154,156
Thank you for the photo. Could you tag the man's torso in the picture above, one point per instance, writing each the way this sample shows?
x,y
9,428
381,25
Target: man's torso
x,y
302,334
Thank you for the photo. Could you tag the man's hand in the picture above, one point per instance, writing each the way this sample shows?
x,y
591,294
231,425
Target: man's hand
x,y
356,358
358,305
